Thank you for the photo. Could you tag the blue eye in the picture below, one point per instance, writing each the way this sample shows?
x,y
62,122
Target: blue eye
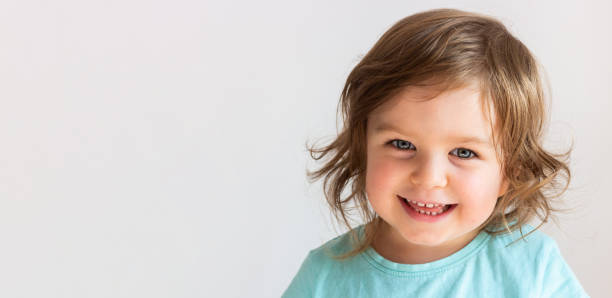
x,y
402,145
459,152
464,153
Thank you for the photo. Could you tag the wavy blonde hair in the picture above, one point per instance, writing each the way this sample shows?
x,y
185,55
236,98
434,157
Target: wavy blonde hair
x,y
447,49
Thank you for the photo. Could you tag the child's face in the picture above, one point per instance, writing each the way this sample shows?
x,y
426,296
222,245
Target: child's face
x,y
432,161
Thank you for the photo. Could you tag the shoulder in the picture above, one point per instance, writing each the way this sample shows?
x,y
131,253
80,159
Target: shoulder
x,y
525,239
529,254
318,265
525,247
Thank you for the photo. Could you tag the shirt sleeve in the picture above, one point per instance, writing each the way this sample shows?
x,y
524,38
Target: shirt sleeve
x,y
558,279
303,281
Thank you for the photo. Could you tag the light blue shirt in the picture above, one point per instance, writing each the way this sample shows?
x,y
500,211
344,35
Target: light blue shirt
x,y
483,268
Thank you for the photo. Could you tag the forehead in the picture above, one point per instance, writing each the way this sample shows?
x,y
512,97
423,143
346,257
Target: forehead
x,y
458,113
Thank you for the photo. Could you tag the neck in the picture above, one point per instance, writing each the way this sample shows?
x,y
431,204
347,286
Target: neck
x,y
393,247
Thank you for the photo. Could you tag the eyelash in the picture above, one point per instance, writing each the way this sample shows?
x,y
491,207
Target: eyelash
x,y
473,154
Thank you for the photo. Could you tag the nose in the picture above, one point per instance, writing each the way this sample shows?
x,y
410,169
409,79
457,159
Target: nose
x,y
429,172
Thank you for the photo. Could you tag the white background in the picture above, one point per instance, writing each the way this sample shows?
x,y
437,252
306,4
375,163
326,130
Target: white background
x,y
157,148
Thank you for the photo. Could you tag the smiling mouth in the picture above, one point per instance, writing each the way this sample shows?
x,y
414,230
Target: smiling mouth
x,y
430,209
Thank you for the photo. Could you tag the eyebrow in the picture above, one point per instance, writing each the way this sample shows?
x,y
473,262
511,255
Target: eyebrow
x,y
461,139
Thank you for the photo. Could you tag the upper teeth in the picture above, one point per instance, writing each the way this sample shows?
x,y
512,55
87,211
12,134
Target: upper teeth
x,y
428,205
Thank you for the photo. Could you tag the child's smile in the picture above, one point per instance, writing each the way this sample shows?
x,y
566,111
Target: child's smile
x,y
428,212
432,173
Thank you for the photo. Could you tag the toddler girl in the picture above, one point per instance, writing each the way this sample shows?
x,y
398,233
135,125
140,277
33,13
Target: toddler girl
x,y
441,147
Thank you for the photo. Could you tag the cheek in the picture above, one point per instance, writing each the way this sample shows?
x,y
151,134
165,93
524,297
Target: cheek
x,y
478,193
381,174
472,187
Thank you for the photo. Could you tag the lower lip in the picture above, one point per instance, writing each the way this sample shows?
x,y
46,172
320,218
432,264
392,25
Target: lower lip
x,y
424,217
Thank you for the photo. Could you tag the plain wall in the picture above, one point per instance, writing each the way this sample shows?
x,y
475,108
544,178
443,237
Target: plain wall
x,y
156,148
